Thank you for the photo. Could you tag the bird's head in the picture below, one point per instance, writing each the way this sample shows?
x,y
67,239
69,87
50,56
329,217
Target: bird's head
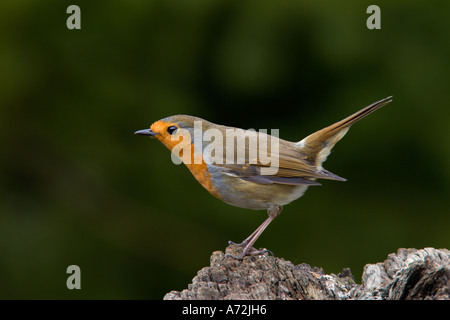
x,y
172,130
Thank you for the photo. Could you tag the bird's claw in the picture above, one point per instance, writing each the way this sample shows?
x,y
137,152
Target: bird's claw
x,y
242,244
247,251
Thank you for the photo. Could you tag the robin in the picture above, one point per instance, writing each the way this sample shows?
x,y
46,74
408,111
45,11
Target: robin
x,y
245,181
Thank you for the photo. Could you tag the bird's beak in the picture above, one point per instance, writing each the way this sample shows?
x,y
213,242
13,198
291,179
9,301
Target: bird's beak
x,y
146,132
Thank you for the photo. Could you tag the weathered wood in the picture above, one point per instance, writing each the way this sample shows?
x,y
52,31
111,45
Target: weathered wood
x,y
408,274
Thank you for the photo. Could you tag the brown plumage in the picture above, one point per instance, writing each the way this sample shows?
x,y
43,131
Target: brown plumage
x,y
245,181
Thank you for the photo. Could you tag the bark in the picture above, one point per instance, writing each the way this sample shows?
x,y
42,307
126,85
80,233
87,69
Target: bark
x,y
408,274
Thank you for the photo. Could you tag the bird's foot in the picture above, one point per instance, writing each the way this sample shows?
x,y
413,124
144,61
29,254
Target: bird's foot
x,y
247,251
242,244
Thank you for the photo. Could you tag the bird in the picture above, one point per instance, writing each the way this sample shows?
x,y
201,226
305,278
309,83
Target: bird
x,y
237,177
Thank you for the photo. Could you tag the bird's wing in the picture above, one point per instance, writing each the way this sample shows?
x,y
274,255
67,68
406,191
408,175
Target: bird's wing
x,y
295,163
287,166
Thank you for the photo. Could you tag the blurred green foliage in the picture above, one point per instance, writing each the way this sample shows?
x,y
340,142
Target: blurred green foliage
x,y
77,187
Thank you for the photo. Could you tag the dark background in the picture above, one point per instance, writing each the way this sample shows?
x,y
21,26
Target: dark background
x,y
77,187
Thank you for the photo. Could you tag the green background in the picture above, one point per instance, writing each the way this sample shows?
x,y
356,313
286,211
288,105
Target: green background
x,y
77,187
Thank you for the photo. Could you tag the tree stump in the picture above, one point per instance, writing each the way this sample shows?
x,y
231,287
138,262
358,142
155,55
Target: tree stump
x,y
408,274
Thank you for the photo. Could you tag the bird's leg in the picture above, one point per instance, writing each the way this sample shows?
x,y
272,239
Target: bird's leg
x,y
247,240
272,212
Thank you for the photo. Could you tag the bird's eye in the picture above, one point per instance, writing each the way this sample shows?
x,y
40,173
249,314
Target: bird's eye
x,y
171,130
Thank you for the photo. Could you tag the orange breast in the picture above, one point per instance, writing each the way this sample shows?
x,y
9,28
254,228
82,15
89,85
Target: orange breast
x,y
200,172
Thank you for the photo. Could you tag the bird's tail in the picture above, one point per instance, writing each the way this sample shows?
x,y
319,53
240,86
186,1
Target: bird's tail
x,y
317,146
